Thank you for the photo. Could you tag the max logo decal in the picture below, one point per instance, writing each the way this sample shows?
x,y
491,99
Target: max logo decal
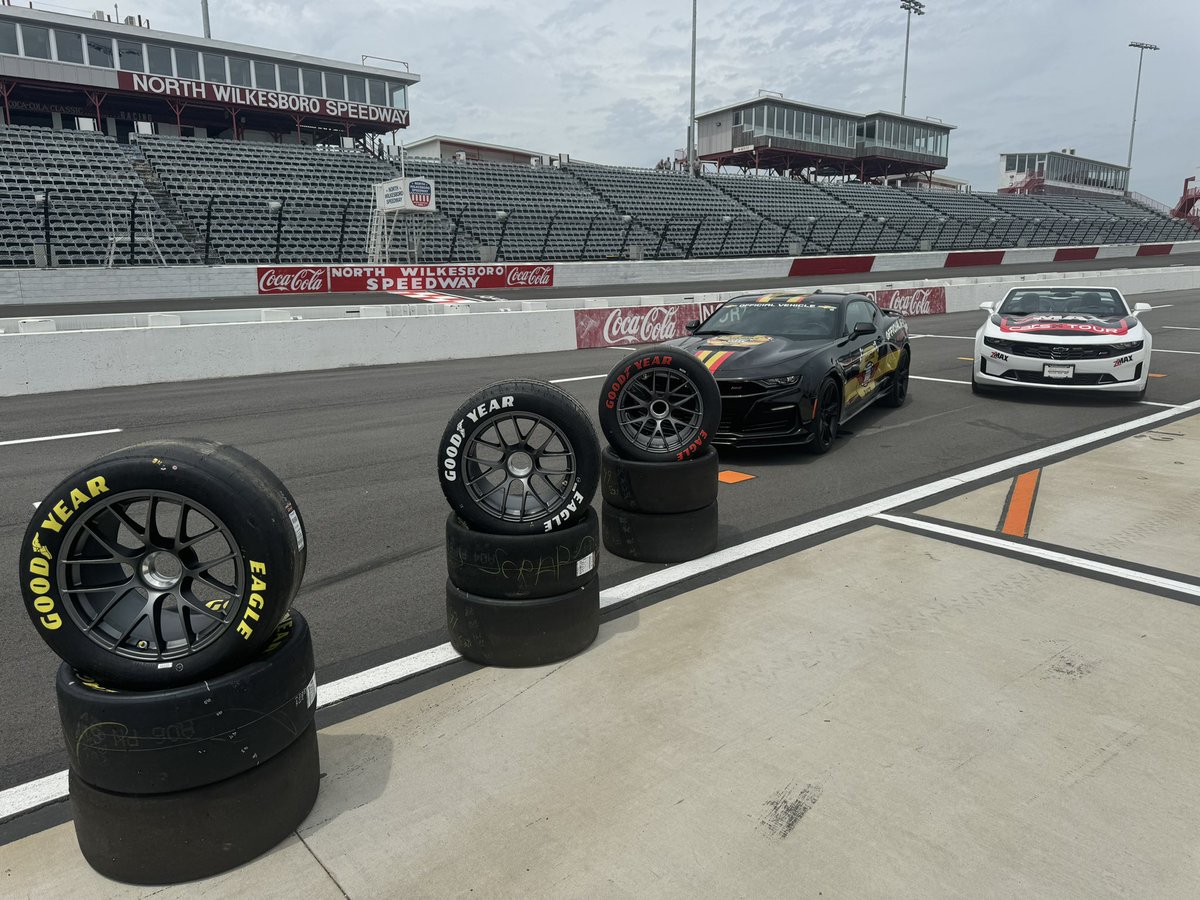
x,y
996,354
1121,361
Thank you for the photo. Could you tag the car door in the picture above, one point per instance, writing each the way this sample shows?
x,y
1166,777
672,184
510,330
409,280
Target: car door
x,y
860,357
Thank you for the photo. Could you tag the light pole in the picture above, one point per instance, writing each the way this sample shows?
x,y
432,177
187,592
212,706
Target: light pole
x,y
1141,48
692,116
909,6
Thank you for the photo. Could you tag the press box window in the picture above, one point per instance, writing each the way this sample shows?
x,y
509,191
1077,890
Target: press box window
x,y
214,68
378,93
131,56
187,64
356,88
69,45
312,82
100,51
37,41
239,71
8,37
335,86
264,74
160,59
289,79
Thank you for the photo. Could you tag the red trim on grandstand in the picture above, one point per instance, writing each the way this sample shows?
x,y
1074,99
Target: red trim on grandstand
x,y
831,265
964,258
1066,254
1155,249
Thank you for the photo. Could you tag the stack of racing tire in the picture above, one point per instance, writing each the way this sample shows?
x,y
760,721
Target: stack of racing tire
x,y
518,464
163,576
659,410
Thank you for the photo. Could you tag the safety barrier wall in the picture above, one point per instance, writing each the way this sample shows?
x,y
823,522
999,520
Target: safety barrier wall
x,y
65,360
182,283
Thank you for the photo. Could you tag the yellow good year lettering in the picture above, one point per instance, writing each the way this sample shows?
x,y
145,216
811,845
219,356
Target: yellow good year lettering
x,y
256,601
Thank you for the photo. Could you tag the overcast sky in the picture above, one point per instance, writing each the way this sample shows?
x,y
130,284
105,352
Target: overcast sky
x,y
607,80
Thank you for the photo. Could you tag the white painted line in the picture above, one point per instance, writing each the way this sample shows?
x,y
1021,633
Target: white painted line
x,y
33,794
1180,327
1188,352
949,337
23,798
942,380
580,378
59,437
1152,403
1162,306
1076,562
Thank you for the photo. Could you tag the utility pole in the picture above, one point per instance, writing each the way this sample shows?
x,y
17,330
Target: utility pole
x,y
910,6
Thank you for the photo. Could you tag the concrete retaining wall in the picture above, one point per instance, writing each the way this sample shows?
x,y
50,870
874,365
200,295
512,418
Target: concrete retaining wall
x,y
278,341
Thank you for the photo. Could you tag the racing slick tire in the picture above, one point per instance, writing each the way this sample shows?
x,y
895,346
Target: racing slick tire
x,y
526,434
656,390
659,487
525,566
163,563
177,739
828,417
660,538
495,632
898,392
185,835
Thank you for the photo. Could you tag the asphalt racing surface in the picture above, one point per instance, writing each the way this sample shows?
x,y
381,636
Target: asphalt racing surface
x,y
613,290
358,449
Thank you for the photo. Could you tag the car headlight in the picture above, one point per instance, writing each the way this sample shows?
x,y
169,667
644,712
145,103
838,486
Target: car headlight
x,y
998,343
1129,345
781,381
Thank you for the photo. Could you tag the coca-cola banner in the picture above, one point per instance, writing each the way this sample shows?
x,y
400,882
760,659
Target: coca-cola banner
x,y
369,279
629,325
925,301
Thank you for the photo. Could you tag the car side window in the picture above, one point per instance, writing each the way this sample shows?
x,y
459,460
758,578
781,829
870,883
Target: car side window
x,y
857,312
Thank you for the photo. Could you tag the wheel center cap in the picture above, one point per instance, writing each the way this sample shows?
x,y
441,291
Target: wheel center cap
x,y
161,570
659,409
520,464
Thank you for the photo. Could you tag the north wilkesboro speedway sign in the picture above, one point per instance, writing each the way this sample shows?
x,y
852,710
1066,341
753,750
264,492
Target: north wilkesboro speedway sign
x,y
257,98
360,279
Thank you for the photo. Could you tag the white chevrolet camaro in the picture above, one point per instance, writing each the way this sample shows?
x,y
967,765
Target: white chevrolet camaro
x,y
1073,338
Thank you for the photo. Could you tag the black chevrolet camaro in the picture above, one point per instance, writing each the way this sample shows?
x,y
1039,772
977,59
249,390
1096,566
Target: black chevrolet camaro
x,y
792,368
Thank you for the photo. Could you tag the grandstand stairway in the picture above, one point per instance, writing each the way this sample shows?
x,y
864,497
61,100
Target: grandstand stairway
x,y
166,202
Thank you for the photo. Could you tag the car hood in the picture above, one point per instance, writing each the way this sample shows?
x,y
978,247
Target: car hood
x,y
1064,325
750,356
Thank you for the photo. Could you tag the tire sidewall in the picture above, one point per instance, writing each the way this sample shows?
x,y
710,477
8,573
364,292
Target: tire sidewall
x,y
676,360
269,561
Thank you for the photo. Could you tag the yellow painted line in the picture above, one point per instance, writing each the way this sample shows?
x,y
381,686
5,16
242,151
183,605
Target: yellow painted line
x,y
731,477
1156,375
1018,508
967,358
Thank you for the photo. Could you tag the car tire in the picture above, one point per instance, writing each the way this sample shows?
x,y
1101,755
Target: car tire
x,y
177,739
827,417
657,385
501,437
898,392
659,538
976,387
659,487
514,633
186,835
207,532
525,566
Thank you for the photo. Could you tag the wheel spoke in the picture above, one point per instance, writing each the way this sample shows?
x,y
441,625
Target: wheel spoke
x,y
108,607
113,548
195,539
122,516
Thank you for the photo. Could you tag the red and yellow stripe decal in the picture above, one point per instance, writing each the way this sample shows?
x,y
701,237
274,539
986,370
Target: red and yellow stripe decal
x,y
714,359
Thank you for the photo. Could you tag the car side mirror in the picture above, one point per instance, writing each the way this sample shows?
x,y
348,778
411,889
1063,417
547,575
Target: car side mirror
x,y
862,328
692,326
1141,308
986,304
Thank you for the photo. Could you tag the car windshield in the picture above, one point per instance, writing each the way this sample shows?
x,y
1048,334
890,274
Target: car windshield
x,y
807,320
1101,302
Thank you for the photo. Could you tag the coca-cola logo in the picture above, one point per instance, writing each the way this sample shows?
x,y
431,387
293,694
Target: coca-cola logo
x,y
530,276
641,326
292,280
912,301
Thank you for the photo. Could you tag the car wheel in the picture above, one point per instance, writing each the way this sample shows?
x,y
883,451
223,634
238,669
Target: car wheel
x,y
519,457
828,417
976,387
163,564
898,392
660,404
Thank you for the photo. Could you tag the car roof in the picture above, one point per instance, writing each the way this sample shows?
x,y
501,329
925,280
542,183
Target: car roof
x,y
1065,287
787,296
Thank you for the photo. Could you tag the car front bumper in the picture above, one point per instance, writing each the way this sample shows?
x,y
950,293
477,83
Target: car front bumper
x,y
1126,373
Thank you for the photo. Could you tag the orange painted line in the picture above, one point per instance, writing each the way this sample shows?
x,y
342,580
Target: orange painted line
x,y
1154,375
731,477
1018,508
